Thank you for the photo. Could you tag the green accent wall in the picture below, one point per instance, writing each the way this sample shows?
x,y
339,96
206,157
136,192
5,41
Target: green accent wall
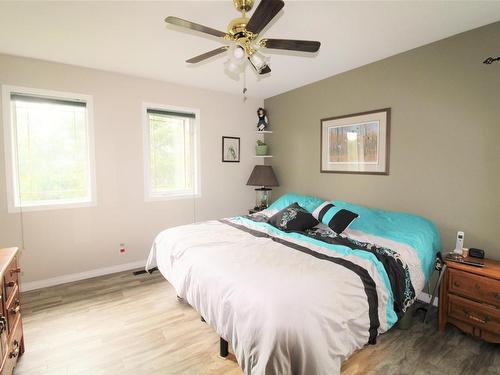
x,y
445,135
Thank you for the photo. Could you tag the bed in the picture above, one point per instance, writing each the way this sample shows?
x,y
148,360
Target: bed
x,y
299,302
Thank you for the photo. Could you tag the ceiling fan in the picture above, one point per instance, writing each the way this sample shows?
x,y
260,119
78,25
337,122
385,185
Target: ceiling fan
x,y
243,32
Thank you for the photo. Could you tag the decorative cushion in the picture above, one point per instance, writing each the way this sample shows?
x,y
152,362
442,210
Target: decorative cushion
x,y
293,218
338,219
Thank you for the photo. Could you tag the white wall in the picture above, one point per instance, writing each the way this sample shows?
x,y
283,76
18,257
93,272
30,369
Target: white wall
x,y
69,241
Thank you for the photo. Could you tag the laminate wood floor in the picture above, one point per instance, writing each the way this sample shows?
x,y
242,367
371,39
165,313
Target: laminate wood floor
x,y
125,324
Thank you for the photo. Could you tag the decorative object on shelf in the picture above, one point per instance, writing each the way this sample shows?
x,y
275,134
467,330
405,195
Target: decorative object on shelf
x,y
231,149
263,121
260,148
356,143
242,34
264,177
491,60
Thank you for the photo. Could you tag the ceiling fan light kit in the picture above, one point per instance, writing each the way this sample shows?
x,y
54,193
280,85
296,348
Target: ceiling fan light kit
x,y
258,62
242,33
238,52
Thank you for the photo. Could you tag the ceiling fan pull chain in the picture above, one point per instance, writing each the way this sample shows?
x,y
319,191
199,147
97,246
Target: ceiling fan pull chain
x,y
244,85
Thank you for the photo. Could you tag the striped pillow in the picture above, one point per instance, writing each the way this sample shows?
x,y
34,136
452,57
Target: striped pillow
x,y
338,219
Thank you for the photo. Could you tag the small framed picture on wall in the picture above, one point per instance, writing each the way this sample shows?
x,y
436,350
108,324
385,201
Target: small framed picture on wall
x,y
230,149
356,143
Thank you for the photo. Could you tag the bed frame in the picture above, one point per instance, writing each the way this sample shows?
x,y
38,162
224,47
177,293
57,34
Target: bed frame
x,y
223,348
223,344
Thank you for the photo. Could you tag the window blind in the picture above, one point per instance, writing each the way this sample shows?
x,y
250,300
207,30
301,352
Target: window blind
x,y
170,113
39,99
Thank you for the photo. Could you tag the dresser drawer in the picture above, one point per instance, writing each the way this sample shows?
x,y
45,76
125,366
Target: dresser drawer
x,y
474,313
474,286
11,277
14,349
13,310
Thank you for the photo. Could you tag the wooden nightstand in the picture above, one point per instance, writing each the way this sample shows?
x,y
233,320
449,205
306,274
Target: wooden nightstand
x,y
469,298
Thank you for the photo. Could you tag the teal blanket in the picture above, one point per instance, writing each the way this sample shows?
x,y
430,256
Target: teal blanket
x,y
415,231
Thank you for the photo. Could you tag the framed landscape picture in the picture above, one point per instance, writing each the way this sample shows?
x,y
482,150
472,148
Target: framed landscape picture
x,y
356,143
230,149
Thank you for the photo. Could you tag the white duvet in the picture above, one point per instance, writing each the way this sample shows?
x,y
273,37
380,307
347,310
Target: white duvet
x,y
282,310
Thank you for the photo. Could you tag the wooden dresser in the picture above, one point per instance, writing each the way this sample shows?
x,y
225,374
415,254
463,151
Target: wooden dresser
x,y
469,298
11,327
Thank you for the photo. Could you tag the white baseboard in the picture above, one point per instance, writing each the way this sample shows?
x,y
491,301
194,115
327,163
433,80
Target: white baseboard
x,y
32,285
425,297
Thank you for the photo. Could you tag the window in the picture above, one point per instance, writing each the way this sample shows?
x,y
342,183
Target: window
x,y
171,152
49,146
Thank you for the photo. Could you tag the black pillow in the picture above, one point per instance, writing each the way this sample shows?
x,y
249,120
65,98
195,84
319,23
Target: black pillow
x,y
341,220
293,218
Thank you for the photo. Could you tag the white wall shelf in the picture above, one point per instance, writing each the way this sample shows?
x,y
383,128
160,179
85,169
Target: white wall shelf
x,y
263,132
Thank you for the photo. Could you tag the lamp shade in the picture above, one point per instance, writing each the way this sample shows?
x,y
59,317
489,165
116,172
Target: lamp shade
x,y
262,175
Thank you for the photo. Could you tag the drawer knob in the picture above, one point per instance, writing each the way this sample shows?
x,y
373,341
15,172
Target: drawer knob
x,y
10,284
497,296
14,353
456,284
477,286
15,310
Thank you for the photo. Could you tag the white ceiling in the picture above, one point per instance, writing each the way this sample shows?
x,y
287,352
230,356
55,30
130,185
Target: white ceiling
x,y
131,37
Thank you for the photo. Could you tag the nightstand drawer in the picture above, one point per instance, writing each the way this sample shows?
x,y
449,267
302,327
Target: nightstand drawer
x,y
474,313
474,286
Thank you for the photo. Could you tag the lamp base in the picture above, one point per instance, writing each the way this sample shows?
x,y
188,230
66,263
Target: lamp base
x,y
262,198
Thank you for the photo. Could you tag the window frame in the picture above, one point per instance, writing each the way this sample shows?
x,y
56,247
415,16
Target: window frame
x,y
179,194
10,147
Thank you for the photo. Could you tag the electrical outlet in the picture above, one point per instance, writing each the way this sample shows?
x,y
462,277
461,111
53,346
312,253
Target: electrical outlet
x,y
123,249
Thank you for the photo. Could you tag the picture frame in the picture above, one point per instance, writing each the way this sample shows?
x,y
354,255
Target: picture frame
x,y
357,143
230,149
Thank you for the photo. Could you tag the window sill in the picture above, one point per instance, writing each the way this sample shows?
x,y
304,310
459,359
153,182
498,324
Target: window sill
x,y
51,206
172,196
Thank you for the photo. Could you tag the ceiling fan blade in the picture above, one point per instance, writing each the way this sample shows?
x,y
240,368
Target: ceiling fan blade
x,y
291,45
207,55
194,26
264,13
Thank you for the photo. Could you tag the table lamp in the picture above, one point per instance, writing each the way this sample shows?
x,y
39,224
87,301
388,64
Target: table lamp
x,y
262,176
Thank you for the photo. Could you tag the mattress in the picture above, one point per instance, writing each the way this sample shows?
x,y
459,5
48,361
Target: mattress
x,y
297,303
